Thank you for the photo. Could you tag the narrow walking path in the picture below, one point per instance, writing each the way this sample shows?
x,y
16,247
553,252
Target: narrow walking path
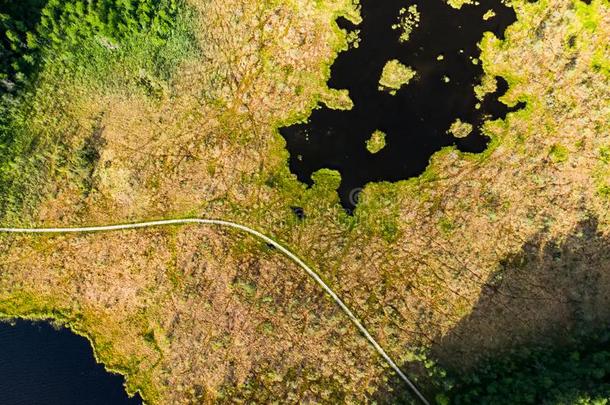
x,y
260,236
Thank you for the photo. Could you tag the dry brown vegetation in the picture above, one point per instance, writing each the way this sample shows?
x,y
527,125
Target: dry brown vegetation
x,y
191,315
203,315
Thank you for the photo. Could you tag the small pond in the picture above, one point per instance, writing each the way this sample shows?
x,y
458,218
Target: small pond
x,y
413,121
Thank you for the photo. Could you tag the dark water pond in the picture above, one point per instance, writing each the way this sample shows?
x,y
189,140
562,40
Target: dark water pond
x,y
42,365
417,118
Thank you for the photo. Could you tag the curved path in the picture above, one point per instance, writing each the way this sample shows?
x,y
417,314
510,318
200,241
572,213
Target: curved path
x,y
260,236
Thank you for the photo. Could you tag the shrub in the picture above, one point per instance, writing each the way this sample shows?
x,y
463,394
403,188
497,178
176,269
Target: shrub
x,y
574,374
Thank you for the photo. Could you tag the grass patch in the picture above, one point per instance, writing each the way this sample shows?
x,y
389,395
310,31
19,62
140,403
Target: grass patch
x,y
71,55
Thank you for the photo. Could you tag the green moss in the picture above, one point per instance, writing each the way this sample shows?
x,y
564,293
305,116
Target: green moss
x,y
457,4
460,129
558,153
600,62
337,99
377,212
23,304
489,14
604,191
604,154
587,14
408,19
394,76
248,288
326,179
376,142
446,225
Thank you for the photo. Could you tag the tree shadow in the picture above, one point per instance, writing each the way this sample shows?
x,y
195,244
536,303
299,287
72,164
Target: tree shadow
x,y
551,290
551,294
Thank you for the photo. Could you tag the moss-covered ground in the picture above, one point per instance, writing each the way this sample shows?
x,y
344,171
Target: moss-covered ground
x,y
187,126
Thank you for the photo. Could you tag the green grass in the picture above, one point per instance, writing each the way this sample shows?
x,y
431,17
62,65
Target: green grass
x,y
82,51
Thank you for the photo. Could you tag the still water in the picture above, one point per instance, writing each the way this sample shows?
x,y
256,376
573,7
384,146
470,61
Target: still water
x,y
442,49
40,365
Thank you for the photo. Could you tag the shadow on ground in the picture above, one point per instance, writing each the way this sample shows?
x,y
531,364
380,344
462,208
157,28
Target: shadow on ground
x,y
551,294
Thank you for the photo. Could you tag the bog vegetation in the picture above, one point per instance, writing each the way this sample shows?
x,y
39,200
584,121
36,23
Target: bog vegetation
x,y
575,374
37,30
194,315
576,371
51,47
